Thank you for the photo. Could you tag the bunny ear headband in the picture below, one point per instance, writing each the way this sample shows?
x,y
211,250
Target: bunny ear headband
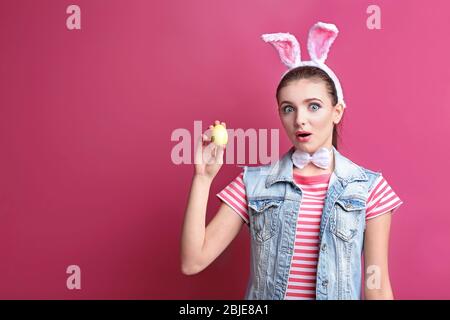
x,y
320,38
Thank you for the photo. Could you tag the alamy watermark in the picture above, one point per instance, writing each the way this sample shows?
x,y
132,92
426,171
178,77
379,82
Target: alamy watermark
x,y
74,280
256,141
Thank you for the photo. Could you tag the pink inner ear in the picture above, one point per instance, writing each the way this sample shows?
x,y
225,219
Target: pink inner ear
x,y
321,39
286,51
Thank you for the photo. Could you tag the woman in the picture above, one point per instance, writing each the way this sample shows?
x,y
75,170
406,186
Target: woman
x,y
311,215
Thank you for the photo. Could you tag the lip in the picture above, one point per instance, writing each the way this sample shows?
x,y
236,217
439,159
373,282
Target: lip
x,y
302,139
301,131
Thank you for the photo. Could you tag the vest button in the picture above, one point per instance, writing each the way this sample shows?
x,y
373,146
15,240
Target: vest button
x,y
324,247
325,283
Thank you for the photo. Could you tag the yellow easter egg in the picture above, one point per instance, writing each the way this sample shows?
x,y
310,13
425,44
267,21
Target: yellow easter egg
x,y
219,135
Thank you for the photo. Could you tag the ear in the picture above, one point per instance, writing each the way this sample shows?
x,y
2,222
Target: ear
x,y
286,45
320,38
338,112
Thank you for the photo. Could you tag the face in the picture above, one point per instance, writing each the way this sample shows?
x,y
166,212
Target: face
x,y
305,105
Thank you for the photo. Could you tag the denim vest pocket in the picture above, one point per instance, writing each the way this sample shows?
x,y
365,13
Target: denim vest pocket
x,y
348,211
263,214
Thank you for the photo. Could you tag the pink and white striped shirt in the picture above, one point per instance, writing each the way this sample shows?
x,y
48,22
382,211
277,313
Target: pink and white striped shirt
x,y
303,270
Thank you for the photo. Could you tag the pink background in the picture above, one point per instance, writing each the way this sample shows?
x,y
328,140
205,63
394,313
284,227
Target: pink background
x,y
86,119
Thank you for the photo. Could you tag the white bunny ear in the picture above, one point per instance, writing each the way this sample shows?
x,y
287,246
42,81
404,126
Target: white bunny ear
x,y
320,38
287,46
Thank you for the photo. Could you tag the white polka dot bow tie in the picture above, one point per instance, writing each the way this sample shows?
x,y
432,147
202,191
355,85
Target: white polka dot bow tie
x,y
321,158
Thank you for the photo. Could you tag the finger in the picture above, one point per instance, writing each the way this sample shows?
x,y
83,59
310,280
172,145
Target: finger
x,y
208,154
213,151
206,139
199,151
216,122
219,154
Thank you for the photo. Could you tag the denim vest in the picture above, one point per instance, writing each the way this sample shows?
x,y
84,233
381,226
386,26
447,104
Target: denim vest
x,y
273,206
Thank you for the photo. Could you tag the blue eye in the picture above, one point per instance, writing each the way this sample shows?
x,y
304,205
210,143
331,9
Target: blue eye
x,y
315,104
287,108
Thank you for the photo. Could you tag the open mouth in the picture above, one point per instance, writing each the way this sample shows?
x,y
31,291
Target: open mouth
x,y
303,135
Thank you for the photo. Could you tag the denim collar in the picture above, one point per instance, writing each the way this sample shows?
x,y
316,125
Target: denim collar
x,y
345,170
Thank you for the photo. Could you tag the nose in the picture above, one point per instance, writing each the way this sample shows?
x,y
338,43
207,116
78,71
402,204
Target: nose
x,y
301,118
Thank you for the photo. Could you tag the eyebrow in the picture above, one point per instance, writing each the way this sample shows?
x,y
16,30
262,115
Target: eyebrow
x,y
306,100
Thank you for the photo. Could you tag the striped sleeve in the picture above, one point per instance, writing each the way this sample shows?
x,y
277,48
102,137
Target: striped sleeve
x,y
234,196
382,199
